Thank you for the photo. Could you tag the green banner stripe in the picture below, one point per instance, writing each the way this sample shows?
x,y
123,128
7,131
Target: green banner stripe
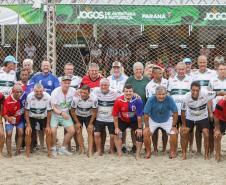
x,y
203,82
179,91
6,83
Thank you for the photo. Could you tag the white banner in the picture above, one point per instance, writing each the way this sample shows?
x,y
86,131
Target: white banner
x,y
10,17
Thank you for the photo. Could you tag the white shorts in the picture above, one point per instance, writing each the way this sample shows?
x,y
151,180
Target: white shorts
x,y
167,126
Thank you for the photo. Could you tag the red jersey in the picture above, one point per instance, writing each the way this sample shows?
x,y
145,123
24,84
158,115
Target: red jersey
x,y
220,110
86,80
127,111
12,107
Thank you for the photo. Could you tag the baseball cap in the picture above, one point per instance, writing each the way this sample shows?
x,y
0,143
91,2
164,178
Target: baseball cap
x,y
116,64
66,78
219,59
10,58
187,60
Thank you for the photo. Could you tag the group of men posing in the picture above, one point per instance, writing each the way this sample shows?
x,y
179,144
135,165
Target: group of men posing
x,y
144,102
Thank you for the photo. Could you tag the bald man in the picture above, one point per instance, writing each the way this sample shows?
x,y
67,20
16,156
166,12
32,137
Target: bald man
x,y
13,109
203,75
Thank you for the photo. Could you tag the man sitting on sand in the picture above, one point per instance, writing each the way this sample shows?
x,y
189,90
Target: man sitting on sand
x,y
127,113
157,114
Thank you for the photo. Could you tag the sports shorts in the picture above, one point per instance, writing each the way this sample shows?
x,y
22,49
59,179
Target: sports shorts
x,y
201,124
167,126
99,126
59,120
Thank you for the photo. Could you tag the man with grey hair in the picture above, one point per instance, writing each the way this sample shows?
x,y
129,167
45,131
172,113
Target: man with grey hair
x,y
92,79
157,114
105,98
28,65
138,82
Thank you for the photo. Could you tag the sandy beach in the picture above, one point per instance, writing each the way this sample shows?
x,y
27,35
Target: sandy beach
x,y
110,170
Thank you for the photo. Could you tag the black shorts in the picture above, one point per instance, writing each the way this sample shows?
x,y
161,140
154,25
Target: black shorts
x,y
84,120
42,123
99,126
201,124
223,127
123,125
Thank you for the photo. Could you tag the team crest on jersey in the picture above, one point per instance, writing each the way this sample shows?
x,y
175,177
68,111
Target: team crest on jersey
x,y
133,108
50,83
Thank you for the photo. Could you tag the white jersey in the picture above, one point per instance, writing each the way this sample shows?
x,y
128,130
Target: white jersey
x,y
83,107
117,84
151,86
105,105
7,80
217,85
61,101
38,107
178,88
75,81
203,78
196,110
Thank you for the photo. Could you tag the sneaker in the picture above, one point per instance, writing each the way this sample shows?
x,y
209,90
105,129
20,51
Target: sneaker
x,y
54,152
124,150
64,151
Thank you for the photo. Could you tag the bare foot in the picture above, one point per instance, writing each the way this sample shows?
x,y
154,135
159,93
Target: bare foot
x,y
111,152
9,155
138,156
81,151
218,158
198,153
155,152
206,157
89,154
184,156
172,155
148,155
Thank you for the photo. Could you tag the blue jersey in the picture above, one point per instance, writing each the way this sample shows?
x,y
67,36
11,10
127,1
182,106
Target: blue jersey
x,y
49,82
160,112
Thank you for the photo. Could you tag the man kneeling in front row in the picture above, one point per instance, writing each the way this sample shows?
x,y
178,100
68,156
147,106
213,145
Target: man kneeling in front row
x,y
157,114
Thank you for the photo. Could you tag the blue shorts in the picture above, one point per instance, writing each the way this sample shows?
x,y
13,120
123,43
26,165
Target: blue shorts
x,y
9,126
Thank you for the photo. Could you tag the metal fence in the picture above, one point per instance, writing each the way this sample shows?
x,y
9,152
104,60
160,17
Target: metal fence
x,y
81,43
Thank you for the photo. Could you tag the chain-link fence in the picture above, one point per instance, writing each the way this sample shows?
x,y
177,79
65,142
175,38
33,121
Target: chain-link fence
x,y
84,35
31,43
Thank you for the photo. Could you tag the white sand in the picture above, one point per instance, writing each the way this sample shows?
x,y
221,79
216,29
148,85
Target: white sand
x,y
109,170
